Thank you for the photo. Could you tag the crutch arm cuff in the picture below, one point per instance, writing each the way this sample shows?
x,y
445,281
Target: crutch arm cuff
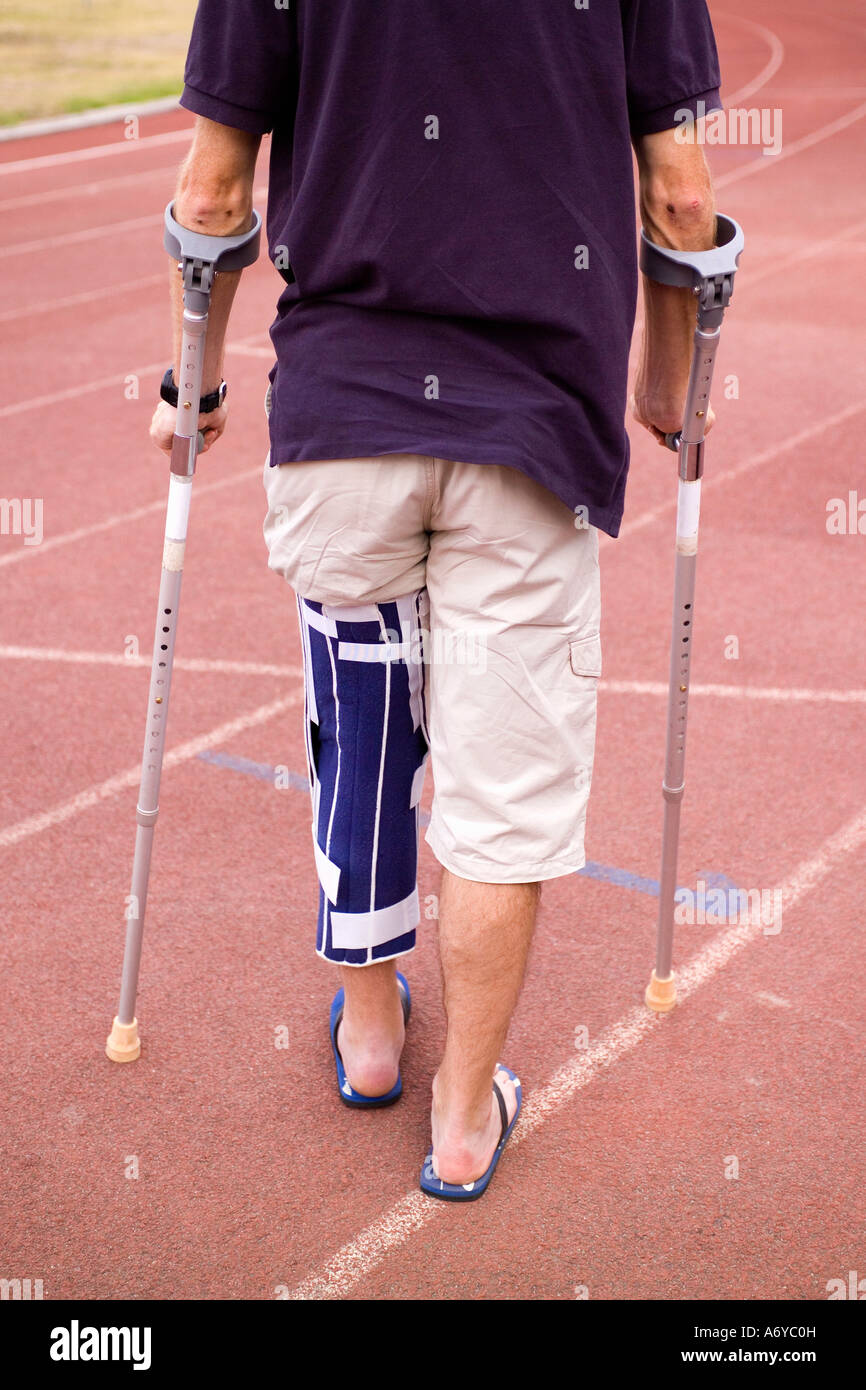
x,y
691,269
220,252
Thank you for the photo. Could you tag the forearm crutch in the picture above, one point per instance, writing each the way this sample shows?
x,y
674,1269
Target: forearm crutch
x,y
710,276
199,259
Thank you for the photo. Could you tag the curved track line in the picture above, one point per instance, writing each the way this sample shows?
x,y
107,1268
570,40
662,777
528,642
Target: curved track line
x,y
92,796
777,57
805,142
361,1256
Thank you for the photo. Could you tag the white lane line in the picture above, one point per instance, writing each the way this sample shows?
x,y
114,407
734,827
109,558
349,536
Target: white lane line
x,y
132,224
136,663
736,692
775,1000
73,392
774,62
243,350
86,190
815,93
339,1275
52,161
771,693
636,524
92,796
809,252
106,293
51,243
106,382
805,142
122,518
711,479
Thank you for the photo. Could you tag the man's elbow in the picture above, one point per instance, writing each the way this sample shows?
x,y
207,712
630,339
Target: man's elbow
x,y
676,192
215,185
216,209
681,216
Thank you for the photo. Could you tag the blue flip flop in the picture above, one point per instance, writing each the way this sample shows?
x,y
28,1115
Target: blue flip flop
x,y
471,1191
347,1095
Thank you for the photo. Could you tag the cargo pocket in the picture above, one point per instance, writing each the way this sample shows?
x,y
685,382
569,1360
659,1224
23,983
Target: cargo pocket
x,y
586,666
586,656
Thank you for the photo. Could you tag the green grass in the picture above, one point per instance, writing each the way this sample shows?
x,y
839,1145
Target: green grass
x,y
58,56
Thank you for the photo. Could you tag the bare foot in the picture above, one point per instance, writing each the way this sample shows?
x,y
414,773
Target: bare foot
x,y
463,1147
370,1044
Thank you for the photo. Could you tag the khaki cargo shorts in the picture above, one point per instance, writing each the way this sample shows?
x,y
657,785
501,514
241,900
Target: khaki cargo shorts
x,y
511,660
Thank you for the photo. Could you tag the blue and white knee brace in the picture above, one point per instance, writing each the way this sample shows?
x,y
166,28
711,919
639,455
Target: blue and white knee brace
x,y
367,749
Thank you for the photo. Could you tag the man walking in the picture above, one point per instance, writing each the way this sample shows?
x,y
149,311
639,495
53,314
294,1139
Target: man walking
x,y
451,207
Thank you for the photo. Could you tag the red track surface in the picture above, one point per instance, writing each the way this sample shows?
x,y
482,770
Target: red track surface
x,y
251,1175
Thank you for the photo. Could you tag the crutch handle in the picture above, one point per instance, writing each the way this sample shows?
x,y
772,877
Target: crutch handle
x,y
673,441
200,257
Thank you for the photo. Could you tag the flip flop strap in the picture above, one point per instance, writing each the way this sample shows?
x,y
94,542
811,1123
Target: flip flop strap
x,y
503,1110
404,1002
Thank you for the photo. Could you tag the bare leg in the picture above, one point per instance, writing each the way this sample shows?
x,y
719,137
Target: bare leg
x,y
371,1032
485,930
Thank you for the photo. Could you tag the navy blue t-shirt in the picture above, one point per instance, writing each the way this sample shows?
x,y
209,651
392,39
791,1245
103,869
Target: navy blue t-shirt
x,y
451,189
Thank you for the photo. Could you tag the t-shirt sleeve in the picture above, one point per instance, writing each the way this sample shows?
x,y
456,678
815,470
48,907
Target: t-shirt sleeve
x,y
240,62
672,63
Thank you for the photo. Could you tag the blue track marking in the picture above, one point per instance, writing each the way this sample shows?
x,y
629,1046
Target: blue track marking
x,y
621,877
605,873
263,771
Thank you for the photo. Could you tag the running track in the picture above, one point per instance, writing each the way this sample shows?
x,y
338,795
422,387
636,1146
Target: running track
x,y
253,1182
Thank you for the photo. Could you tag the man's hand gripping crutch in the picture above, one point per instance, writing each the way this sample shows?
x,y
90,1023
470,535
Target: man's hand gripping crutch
x,y
199,259
710,276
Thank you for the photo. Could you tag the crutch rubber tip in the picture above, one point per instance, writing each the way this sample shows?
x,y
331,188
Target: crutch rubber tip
x,y
123,1043
661,995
